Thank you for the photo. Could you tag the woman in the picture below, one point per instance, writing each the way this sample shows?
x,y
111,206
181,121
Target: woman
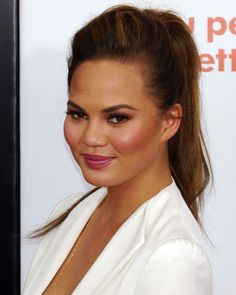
x,y
133,126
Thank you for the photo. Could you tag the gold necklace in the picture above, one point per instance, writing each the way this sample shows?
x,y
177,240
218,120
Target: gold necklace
x,y
74,249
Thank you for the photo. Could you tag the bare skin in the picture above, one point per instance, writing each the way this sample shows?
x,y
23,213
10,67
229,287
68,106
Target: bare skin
x,y
98,235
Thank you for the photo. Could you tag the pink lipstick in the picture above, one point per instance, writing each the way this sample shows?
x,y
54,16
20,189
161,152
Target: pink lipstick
x,y
97,161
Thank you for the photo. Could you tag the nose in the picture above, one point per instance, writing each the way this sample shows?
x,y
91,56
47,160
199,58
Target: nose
x,y
94,134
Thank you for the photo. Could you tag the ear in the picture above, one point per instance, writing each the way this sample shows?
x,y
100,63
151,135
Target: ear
x,y
171,121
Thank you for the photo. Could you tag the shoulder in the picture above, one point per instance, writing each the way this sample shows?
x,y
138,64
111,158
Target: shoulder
x,y
59,209
77,200
169,218
46,240
177,266
182,251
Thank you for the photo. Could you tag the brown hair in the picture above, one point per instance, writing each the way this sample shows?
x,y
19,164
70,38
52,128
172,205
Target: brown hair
x,y
161,42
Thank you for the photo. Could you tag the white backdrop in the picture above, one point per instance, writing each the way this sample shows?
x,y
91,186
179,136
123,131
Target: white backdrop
x,y
48,173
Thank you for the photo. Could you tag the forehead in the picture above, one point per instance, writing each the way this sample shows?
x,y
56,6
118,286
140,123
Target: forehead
x,y
107,77
100,84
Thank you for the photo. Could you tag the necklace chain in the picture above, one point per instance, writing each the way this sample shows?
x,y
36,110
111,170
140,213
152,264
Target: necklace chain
x,y
74,249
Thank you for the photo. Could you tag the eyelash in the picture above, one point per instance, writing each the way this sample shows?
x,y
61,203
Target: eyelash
x,y
116,115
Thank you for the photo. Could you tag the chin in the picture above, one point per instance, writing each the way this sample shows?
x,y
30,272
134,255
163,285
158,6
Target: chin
x,y
95,182
98,182
101,181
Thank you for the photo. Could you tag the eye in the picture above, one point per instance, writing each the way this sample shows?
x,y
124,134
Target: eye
x,y
118,118
76,115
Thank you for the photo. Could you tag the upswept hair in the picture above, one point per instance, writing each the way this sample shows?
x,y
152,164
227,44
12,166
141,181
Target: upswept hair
x,y
161,42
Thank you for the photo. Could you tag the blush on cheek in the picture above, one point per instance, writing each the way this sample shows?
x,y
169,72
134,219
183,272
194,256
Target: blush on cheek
x,y
70,134
131,140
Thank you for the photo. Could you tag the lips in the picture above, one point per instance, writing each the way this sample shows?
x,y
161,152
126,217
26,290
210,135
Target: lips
x,y
97,161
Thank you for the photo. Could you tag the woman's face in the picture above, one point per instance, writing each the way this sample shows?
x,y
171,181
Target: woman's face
x,y
110,115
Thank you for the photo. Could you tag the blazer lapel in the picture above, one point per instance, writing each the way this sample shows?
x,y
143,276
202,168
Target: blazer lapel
x,y
58,245
118,251
116,254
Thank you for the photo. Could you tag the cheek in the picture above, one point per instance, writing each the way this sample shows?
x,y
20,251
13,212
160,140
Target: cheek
x,y
71,133
133,140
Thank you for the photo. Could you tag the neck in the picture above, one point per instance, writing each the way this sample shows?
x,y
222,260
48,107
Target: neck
x,y
125,198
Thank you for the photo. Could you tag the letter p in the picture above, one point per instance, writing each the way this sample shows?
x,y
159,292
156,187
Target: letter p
x,y
215,26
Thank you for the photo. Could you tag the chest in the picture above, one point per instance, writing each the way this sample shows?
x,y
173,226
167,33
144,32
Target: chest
x,y
81,257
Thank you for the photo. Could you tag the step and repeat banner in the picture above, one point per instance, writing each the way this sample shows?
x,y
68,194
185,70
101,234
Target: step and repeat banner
x,y
48,172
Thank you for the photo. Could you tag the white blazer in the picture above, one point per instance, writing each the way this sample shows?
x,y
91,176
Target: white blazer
x,y
158,250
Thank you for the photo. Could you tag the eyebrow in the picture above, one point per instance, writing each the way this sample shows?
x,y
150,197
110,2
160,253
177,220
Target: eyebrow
x,y
106,110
